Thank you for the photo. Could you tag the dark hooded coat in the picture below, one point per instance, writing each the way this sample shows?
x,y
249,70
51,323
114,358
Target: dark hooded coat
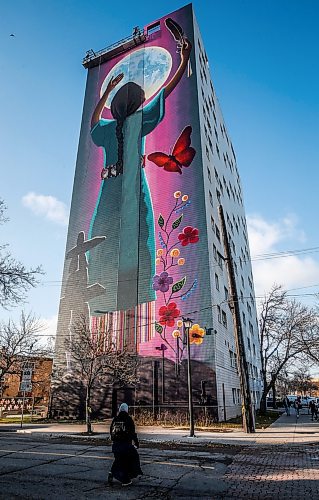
x,y
126,463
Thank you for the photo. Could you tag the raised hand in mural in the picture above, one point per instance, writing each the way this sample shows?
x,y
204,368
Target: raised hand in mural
x,y
100,105
185,49
113,82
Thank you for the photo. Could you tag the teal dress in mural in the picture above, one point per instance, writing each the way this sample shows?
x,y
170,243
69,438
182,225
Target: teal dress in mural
x,y
124,263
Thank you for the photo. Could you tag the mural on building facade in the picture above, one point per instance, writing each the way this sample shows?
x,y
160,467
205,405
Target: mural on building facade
x,y
140,269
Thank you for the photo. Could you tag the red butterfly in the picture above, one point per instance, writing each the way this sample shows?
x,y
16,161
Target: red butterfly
x,y
182,154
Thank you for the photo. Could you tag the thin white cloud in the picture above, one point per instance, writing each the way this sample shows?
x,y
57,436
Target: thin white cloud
x,y
272,236
47,206
48,332
265,235
50,325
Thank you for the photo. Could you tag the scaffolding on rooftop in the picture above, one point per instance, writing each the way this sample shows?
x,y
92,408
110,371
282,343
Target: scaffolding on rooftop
x,y
93,58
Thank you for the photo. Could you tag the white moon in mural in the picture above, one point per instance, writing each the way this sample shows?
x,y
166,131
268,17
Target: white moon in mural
x,y
148,67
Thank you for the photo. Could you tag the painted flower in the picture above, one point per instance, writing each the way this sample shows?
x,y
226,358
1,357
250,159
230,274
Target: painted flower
x,y
177,194
196,334
176,334
175,252
181,261
159,252
168,314
185,197
162,282
189,235
157,261
179,323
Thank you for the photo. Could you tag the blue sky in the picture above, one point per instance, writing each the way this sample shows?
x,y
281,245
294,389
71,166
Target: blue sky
x,y
264,62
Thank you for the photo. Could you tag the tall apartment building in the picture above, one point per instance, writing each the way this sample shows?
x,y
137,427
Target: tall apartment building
x,y
144,247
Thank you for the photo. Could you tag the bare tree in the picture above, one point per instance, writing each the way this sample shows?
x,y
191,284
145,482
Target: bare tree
x,y
19,342
288,334
95,357
302,381
15,278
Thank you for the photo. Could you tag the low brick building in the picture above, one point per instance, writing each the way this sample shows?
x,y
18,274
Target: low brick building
x,y
36,399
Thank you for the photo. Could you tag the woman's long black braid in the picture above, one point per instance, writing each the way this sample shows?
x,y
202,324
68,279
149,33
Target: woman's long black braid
x,y
120,146
126,101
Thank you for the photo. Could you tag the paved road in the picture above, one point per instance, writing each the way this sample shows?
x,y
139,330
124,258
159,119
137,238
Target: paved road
x,y
33,468
279,462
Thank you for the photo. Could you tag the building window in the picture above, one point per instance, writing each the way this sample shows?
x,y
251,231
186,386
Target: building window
x,y
216,281
219,314
248,343
211,199
220,259
234,393
215,252
209,175
233,359
216,133
224,319
235,267
226,293
217,233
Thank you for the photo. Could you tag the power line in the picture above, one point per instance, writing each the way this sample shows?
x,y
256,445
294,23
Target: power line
x,y
258,257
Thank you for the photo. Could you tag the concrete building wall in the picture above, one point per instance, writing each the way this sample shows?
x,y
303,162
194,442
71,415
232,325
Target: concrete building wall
x,y
223,187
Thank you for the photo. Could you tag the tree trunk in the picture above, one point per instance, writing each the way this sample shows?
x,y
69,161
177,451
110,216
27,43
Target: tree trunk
x,y
274,402
263,403
88,411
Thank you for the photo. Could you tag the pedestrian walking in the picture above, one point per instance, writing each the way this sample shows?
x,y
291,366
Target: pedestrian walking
x,y
313,410
126,465
286,404
298,406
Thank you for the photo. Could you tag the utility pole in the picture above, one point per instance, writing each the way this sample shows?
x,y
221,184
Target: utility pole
x,y
247,407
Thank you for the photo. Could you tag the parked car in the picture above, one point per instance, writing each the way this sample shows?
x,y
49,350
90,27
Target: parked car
x,y
305,401
292,398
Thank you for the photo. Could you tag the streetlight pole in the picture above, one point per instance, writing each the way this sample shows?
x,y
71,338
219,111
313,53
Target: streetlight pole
x,y
163,349
187,324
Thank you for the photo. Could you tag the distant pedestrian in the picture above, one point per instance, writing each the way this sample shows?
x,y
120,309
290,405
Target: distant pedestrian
x,y
298,406
286,403
313,410
126,463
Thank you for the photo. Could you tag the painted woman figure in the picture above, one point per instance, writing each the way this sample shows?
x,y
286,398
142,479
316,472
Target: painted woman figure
x,y
125,262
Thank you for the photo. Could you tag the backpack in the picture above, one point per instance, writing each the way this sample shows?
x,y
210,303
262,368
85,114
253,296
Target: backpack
x,y
119,431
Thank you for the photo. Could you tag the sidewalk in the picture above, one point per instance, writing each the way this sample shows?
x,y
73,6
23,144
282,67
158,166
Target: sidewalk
x,y
286,430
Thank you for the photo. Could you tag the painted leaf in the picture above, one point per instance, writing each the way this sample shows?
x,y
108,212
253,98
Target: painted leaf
x,y
178,285
161,221
158,328
177,222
